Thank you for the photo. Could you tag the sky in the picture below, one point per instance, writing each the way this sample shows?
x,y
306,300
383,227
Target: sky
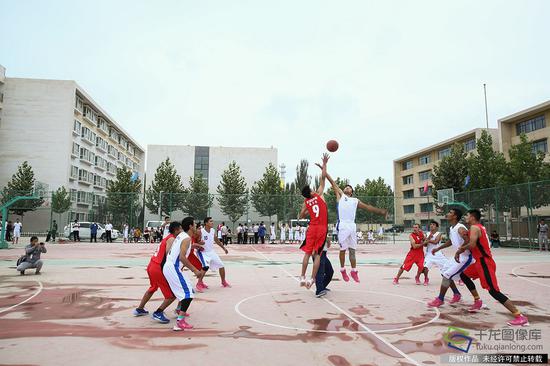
x,y
383,78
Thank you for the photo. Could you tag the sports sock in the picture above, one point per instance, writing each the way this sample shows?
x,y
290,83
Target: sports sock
x,y
455,291
342,269
354,270
441,297
517,313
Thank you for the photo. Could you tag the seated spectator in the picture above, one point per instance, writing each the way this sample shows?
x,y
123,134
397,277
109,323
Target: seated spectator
x,y
32,253
495,239
137,235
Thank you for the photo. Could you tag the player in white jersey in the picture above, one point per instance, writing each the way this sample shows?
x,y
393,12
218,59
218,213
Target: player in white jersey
x,y
208,254
432,241
283,228
272,233
347,230
458,234
181,286
165,227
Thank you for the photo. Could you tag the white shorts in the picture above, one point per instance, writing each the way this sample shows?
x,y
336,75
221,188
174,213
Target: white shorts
x,y
212,260
16,234
178,281
439,260
452,269
272,237
347,235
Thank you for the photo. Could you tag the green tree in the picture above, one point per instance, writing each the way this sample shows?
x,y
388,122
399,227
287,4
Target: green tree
x,y
290,203
61,201
486,167
302,178
451,171
376,193
266,193
123,198
233,193
196,200
167,181
21,184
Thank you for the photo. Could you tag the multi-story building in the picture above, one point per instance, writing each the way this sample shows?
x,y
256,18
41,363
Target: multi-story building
x,y
67,138
413,203
531,121
210,162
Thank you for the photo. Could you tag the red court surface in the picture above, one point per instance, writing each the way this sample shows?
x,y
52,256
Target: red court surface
x,y
79,311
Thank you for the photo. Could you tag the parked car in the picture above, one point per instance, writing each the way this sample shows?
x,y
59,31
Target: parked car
x,y
84,232
155,223
396,229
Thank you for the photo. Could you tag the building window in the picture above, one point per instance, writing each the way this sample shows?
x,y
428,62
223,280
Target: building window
x,y
445,152
88,135
408,194
540,146
87,155
84,176
76,150
73,194
74,172
79,104
407,165
470,145
113,134
408,209
102,125
101,144
531,125
77,127
426,207
424,194
100,162
90,114
112,151
131,149
423,160
408,179
202,158
424,176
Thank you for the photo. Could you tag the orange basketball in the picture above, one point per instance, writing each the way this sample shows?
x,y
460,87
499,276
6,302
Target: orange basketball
x,y
332,145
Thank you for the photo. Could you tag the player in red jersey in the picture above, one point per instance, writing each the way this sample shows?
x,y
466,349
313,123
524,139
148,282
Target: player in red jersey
x,y
156,278
414,256
315,205
485,267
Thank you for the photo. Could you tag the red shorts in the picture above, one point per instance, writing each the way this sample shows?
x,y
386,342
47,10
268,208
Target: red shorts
x,y
414,257
157,280
194,260
485,269
316,236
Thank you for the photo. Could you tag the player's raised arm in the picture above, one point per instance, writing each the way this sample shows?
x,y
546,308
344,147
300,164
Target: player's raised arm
x,y
376,210
324,172
321,189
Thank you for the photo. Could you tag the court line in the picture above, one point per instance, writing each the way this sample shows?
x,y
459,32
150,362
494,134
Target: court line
x,y
525,278
351,317
40,288
238,311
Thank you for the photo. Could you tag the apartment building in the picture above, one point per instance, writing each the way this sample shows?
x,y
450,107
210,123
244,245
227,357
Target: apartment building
x,y
67,138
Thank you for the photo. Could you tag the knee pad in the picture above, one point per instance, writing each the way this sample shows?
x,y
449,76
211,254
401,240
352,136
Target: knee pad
x,y
351,254
498,296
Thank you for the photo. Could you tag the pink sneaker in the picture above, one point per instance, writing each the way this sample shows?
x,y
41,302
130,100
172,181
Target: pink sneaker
x,y
199,288
345,276
395,281
426,281
355,276
225,284
204,286
417,280
519,321
435,303
460,283
182,325
456,298
476,306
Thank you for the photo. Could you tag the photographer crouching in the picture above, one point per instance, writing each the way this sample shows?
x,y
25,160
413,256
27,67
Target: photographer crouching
x,y
31,259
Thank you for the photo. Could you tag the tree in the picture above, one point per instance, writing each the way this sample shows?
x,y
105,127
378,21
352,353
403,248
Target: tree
x,y
233,193
123,201
167,181
487,167
376,193
21,184
196,200
266,193
452,170
290,203
61,201
302,178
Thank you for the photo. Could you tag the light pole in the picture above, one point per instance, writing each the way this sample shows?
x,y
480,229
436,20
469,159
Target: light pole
x,y
160,205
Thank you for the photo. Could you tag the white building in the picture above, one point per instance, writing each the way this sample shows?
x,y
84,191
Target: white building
x,y
210,162
67,138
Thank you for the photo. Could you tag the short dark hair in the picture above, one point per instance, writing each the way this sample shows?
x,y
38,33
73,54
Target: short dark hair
x,y
206,219
173,226
166,217
457,213
187,222
349,185
33,238
475,213
306,192
435,223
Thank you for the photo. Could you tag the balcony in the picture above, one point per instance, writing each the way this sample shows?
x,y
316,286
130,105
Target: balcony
x,y
86,161
84,180
100,167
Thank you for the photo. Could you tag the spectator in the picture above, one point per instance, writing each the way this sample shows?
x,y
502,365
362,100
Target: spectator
x,y
370,237
272,233
251,234
335,233
17,229
284,229
229,237
240,234
9,230
495,239
245,234
542,229
108,231
261,233
54,230
137,235
125,229
146,234
93,232
255,230
75,228
32,256
381,233
359,237
224,233
165,227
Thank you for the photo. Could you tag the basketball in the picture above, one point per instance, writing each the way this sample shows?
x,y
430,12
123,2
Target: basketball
x,y
332,145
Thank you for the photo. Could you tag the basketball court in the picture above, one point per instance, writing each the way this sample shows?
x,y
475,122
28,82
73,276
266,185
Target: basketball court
x,y
80,310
